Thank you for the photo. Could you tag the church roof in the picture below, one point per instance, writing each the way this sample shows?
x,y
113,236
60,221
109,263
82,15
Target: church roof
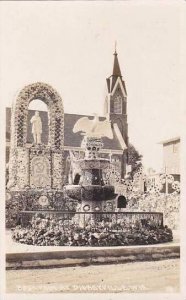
x,y
70,139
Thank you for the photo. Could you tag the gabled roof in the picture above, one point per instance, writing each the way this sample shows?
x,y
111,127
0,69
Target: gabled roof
x,y
170,140
111,82
70,139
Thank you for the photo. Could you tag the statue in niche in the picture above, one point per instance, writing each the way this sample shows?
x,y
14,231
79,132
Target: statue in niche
x,y
36,127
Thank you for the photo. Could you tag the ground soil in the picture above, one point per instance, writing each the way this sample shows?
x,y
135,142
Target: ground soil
x,y
137,277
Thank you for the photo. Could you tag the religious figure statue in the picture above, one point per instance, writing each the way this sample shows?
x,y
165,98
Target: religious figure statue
x,y
94,128
36,127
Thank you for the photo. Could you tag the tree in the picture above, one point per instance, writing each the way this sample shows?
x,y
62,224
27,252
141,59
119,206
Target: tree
x,y
134,159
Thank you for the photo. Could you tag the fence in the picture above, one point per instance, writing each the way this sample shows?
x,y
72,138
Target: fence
x,y
117,220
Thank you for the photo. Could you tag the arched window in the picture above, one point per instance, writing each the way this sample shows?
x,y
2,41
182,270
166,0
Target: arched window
x,y
118,105
77,179
122,202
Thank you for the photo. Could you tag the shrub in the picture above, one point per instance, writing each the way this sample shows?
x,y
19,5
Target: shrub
x,y
52,232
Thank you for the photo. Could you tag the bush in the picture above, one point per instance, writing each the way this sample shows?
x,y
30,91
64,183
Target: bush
x,y
13,208
52,232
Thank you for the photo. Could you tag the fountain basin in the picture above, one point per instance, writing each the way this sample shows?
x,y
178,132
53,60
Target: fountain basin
x,y
90,192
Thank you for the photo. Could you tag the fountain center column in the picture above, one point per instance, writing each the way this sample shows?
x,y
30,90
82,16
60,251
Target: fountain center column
x,y
92,145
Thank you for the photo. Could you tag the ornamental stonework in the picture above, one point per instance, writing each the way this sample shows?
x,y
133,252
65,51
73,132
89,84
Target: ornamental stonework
x,y
40,172
57,171
22,168
53,101
37,165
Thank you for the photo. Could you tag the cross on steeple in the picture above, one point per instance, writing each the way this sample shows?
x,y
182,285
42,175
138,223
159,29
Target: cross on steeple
x,y
115,46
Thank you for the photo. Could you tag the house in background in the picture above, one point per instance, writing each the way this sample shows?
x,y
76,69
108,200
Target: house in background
x,y
171,156
171,164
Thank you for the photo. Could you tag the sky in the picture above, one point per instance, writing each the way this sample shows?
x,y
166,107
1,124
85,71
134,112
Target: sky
x,y
70,46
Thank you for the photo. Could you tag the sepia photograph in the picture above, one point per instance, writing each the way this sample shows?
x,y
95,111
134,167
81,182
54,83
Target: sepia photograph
x,y
92,157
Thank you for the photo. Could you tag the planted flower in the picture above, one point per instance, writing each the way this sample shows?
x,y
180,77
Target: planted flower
x,y
52,232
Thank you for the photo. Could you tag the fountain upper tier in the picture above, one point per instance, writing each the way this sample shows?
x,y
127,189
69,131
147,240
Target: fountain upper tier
x,y
91,165
91,185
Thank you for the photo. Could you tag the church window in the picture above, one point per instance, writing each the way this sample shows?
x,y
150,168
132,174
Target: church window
x,y
118,105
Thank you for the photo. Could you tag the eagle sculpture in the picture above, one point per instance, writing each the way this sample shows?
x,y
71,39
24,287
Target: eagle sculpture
x,y
94,128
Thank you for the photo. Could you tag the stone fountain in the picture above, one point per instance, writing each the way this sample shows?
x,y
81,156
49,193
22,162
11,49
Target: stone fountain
x,y
91,191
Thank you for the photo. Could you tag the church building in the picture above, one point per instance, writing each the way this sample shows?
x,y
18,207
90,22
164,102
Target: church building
x,y
115,110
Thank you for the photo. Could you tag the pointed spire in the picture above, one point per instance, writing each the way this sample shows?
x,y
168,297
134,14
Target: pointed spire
x,y
111,81
116,67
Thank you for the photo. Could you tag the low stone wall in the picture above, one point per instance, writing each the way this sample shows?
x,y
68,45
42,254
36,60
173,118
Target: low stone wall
x,y
87,256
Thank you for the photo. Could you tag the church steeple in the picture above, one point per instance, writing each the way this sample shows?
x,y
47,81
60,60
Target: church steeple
x,y
116,73
116,99
116,106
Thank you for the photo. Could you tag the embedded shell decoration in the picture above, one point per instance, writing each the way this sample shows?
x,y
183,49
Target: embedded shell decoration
x,y
43,201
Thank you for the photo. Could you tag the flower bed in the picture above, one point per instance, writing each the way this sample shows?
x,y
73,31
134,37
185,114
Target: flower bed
x,y
52,232
18,201
13,208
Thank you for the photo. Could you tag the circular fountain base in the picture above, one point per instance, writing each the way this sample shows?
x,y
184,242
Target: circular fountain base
x,y
57,228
